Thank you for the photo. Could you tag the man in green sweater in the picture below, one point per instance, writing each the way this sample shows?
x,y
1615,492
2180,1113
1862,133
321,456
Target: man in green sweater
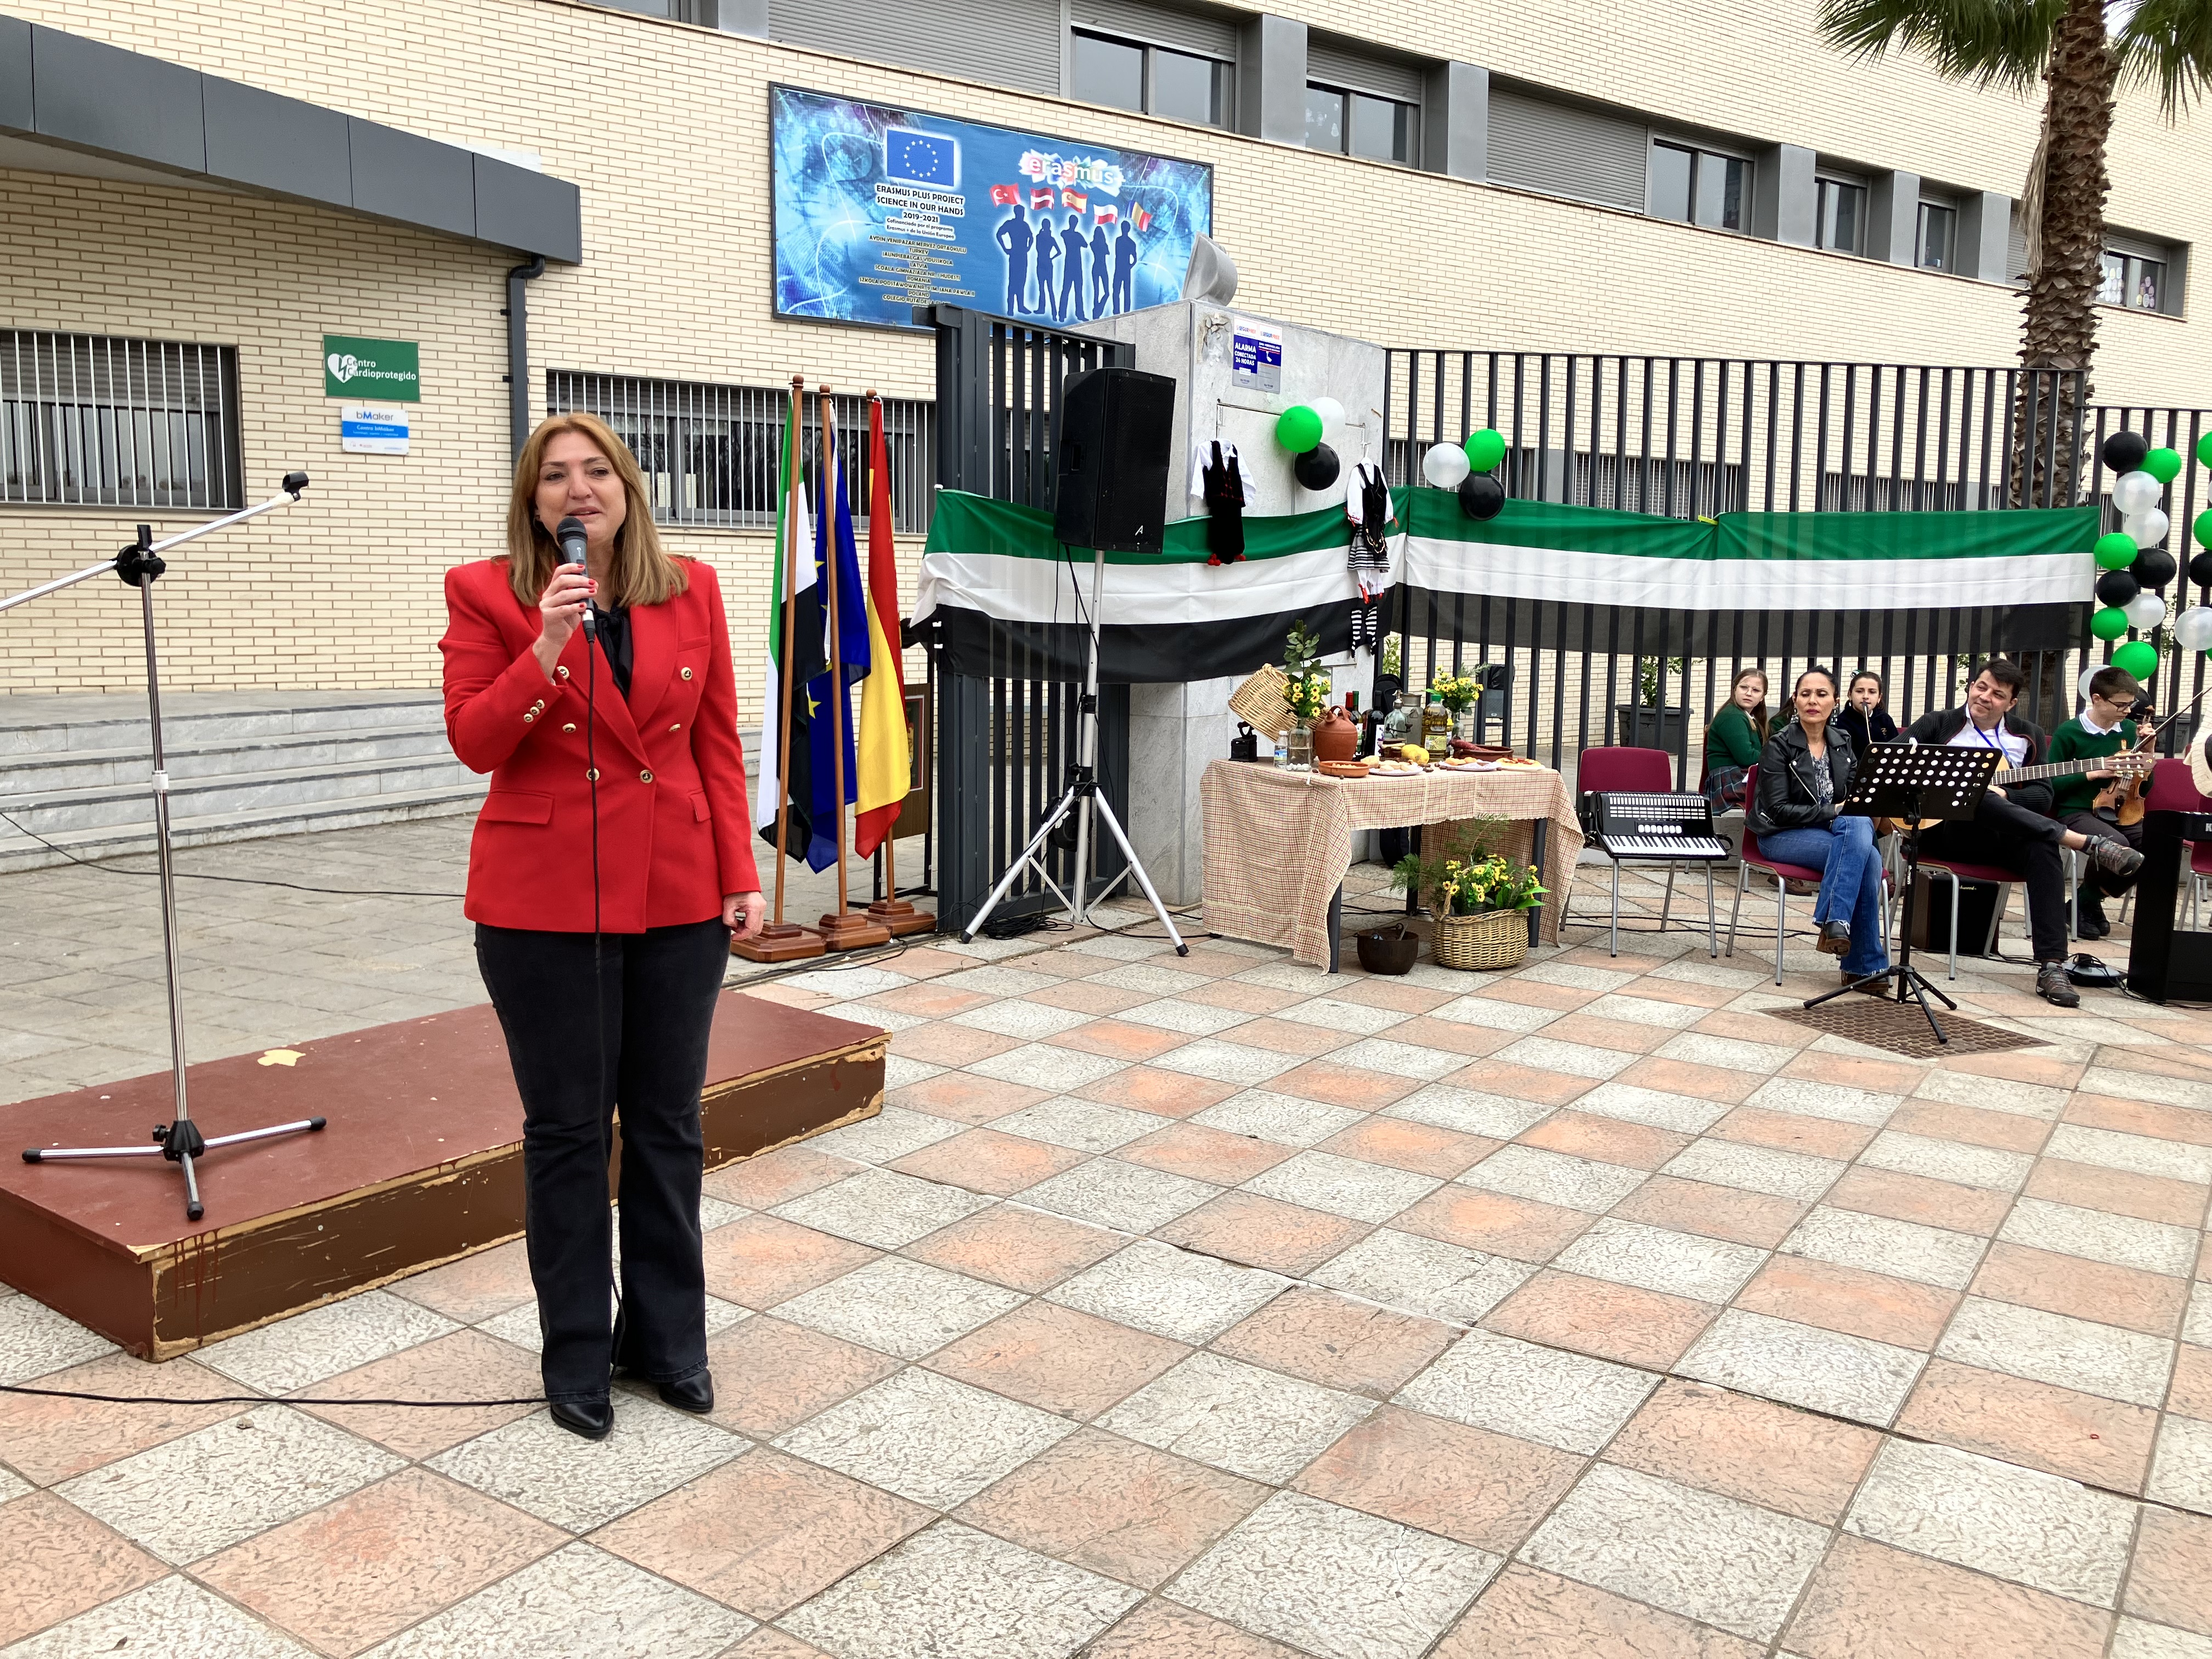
x,y
2102,728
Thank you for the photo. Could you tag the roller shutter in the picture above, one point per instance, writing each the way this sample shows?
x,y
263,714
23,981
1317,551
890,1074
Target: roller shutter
x,y
1333,63
1008,43
1210,34
1567,150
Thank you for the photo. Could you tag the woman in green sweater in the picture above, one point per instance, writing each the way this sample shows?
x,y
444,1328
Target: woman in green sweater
x,y
1733,739
2102,728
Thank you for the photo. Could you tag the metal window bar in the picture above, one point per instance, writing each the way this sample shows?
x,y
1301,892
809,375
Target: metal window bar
x,y
91,420
709,453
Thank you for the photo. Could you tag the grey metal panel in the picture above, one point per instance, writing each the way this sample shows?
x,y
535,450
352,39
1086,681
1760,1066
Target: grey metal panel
x,y
89,93
1456,121
1785,204
1568,150
1271,79
16,74
1337,62
396,175
1010,43
1989,246
1189,28
257,137
1893,217
741,17
528,211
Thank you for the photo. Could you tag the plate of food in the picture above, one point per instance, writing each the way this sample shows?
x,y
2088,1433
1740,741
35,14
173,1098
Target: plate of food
x,y
1396,768
1353,768
1467,763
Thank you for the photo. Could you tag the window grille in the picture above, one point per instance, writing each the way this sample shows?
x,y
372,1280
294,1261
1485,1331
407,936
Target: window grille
x,y
709,453
90,419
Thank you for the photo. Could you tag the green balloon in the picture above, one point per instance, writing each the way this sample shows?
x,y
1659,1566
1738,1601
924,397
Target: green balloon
x,y
2109,624
2116,551
2163,464
1485,449
2202,529
1298,428
2204,449
2138,658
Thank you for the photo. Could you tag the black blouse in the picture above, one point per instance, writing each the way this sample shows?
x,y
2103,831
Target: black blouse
x,y
615,639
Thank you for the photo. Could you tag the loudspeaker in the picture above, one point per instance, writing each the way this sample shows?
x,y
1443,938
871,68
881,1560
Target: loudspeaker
x,y
1116,426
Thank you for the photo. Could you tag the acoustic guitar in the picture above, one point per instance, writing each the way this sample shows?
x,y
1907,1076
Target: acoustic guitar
x,y
2131,764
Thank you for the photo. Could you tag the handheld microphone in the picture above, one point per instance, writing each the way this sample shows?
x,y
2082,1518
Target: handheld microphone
x,y
570,535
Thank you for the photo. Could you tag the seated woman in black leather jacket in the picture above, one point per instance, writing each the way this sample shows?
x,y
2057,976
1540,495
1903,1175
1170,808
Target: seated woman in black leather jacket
x,y
1804,771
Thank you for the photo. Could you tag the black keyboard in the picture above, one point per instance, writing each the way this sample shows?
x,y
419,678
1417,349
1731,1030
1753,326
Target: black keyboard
x,y
1652,826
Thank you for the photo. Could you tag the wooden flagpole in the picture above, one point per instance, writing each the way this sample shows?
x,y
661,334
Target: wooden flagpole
x,y
843,930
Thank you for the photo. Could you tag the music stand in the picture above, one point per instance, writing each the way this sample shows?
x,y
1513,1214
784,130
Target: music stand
x,y
1911,783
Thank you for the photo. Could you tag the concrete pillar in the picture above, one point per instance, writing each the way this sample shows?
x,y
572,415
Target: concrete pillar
x,y
1784,199
1271,79
740,16
1456,121
1893,217
1985,236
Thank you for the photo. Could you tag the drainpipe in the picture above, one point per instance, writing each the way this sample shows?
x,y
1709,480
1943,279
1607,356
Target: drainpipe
x,y
518,351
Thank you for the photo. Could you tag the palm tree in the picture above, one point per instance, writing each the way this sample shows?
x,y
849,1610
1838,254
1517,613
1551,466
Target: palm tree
x,y
2066,46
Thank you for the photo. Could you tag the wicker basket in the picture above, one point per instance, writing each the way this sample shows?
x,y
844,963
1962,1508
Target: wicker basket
x,y
1259,703
1496,938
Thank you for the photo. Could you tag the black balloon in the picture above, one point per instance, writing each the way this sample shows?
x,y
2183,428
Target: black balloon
x,y
2200,569
2123,451
1317,468
2153,568
1481,496
2117,587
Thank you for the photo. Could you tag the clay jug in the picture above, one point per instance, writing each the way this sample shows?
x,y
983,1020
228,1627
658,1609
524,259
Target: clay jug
x,y
1335,736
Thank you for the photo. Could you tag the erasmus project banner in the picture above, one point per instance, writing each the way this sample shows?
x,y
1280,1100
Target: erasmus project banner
x,y
880,209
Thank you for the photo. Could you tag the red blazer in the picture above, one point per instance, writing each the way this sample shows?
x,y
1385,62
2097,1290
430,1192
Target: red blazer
x,y
675,833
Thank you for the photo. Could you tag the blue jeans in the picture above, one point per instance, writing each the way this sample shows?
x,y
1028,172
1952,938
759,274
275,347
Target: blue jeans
x,y
1851,882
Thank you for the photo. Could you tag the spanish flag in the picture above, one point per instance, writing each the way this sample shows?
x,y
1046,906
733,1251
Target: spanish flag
x,y
884,761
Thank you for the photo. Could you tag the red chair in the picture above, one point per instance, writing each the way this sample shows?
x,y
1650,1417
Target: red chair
x,y
2173,789
1647,772
1783,874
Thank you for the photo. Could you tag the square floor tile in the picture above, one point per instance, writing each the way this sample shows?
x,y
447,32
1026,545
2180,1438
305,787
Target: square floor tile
x,y
1608,1139
1342,1186
901,1307
1149,977
1695,1553
881,1207
2128,1297
1413,1273
955,1590
1850,1299
1712,1211
1948,1160
1204,1153
2137,1638
1353,1018
1255,1231
1655,1108
1402,1144
205,1492
1568,1401
1470,1111
1015,1018
2048,1347
1400,1059
1679,1264
891,1133
1045,1066
759,1261
2171,1579
1851,1376
475,1286
307,1347
2106,1443
2174,1160
2036,1529
2124,1241
171,1616
1644,1011
1336,1341
1057,1359
1495,1014
1744,1448
1173,1293
1190,1019
1258,1424
763,1532
1869,1599
1528,1614
1484,1489
1872,1243
1616,1322
770,1375
1283,1119
987,1161
1494,1223
48,1440
2181,1469
1227,1062
1575,1184
1116,1507
1013,1245
1836,1102
1085,1126
1732,1054
579,1603
1546,1053
1575,975
61,1562
467,1364
1335,1582
926,1437
1161,1630
544,1470
1109,1192
1756,1169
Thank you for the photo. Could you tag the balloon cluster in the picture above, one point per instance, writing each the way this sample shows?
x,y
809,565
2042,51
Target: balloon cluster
x,y
1305,429
2131,564
1469,468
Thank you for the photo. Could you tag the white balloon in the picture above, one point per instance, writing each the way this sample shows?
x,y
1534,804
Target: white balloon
x,y
2148,526
2135,492
2192,629
1332,418
1446,466
2146,610
2087,674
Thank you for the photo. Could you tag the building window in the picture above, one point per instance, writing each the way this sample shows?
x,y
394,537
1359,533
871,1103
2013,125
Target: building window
x,y
1700,185
711,454
1359,123
1934,242
88,420
1841,225
2133,282
1181,86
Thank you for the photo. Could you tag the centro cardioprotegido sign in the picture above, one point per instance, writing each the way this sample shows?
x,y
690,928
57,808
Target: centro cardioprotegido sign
x,y
880,209
387,371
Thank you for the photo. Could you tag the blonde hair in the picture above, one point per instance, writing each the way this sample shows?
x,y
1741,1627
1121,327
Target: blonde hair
x,y
642,573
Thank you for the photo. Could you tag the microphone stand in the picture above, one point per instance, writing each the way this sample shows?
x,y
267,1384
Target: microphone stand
x,y
180,1140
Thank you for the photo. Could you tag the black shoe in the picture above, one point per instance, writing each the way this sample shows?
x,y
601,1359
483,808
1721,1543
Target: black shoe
x,y
592,1418
2054,988
2114,858
2092,923
1835,939
695,1395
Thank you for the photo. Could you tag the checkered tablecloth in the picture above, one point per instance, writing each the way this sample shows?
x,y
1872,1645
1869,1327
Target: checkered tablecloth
x,y
1279,843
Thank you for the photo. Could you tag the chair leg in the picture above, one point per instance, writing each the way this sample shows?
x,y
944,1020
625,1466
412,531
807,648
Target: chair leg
x,y
1616,907
2073,894
1742,882
1669,903
1712,933
1781,923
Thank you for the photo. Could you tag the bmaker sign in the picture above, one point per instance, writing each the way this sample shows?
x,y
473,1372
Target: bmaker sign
x,y
389,371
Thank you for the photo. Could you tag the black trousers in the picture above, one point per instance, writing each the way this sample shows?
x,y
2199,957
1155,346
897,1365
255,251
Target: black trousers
x,y
2003,832
656,992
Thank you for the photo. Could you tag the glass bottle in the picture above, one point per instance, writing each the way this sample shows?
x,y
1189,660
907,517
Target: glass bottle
x,y
1299,754
1403,723
1436,728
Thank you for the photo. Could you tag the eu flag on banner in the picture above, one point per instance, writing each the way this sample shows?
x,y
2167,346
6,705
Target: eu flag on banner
x,y
912,157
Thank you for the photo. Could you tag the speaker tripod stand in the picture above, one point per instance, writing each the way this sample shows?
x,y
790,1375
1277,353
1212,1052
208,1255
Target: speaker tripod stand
x,y
1081,799
179,1139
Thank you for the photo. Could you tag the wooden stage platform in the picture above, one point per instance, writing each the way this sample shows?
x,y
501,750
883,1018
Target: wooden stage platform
x,y
422,1162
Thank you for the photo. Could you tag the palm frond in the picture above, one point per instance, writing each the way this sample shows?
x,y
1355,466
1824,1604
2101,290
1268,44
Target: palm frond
x,y
2000,42
2167,44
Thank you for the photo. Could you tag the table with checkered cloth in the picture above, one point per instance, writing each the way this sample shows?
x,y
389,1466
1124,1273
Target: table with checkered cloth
x,y
1279,843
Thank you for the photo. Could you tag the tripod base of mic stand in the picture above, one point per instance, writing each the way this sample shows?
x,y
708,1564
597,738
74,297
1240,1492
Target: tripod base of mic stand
x,y
901,918
851,932
179,1142
780,941
1912,985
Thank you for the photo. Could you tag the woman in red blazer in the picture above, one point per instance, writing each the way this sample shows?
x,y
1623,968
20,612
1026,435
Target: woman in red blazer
x,y
611,863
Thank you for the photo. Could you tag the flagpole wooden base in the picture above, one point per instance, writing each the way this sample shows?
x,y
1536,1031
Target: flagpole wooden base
x,y
901,918
849,932
780,941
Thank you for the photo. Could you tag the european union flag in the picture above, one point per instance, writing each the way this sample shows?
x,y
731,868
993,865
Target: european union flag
x,y
921,158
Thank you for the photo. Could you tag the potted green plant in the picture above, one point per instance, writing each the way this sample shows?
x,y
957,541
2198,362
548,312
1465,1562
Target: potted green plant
x,y
1458,694
1479,906
1306,690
